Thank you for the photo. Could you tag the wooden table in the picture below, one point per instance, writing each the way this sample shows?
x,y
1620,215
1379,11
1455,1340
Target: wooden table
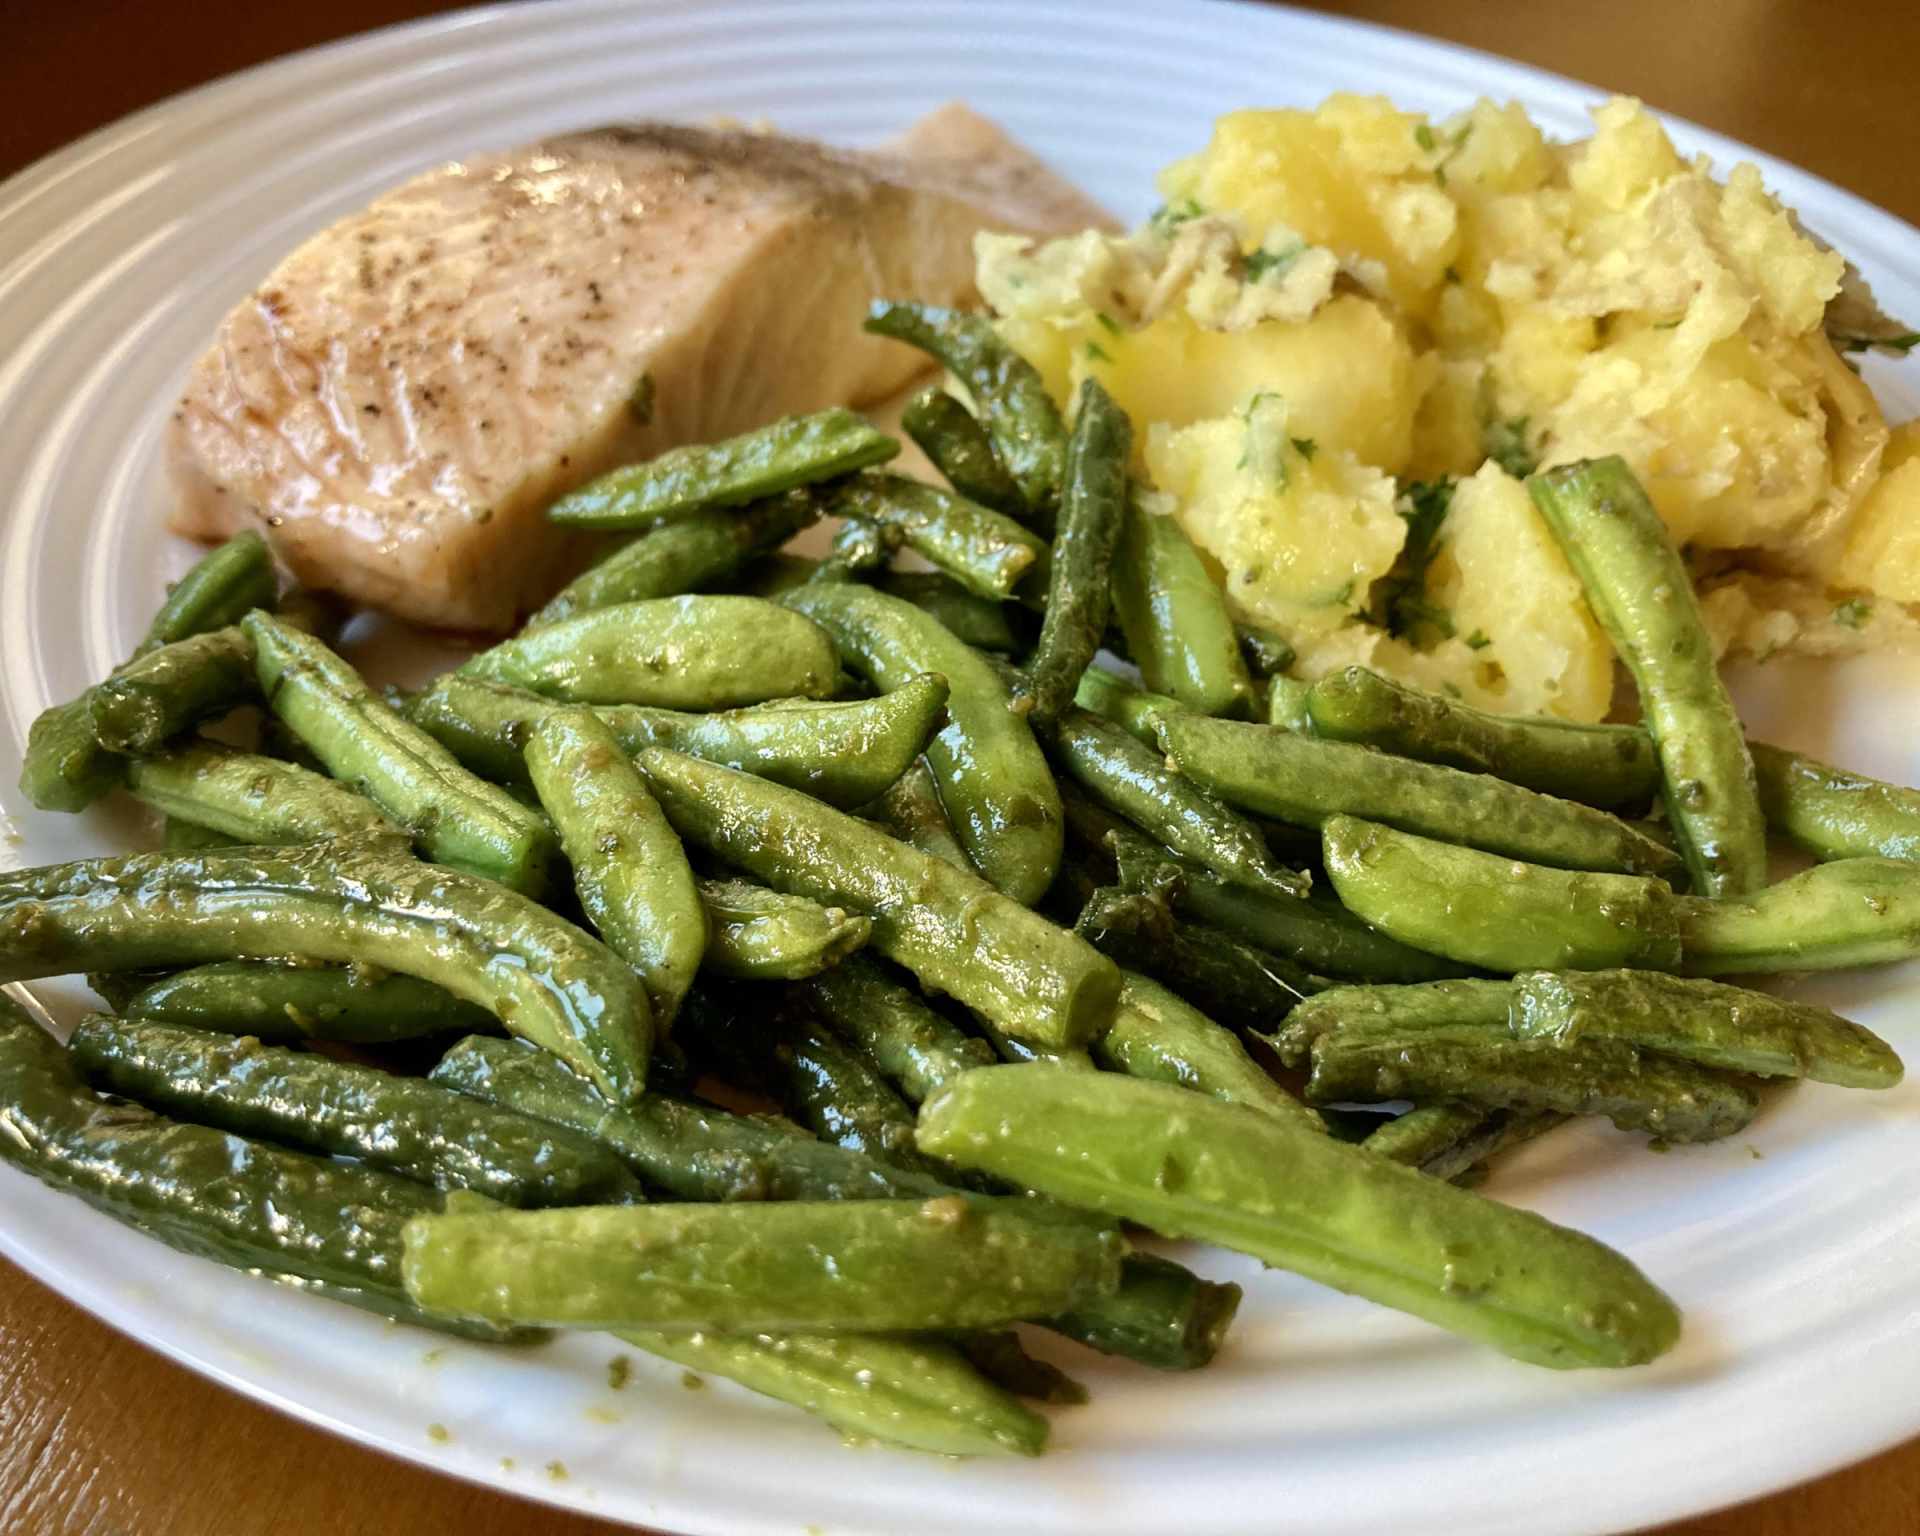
x,y
100,1436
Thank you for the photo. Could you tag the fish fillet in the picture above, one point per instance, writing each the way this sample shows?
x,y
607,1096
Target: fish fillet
x,y
400,400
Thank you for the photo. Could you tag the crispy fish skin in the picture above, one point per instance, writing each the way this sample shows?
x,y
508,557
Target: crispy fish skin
x,y
399,401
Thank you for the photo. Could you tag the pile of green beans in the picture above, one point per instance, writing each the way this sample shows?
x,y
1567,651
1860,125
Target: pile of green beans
x,y
987,949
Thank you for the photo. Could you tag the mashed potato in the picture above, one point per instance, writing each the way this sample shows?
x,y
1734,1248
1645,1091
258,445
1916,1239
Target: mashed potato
x,y
1348,332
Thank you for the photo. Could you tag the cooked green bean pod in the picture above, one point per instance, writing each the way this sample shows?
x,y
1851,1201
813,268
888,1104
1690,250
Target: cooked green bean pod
x,y
1008,394
1426,1005
1080,578
919,1393
1845,913
1175,617
853,1266
1832,813
179,835
708,651
253,799
1485,910
915,1046
1643,597
957,445
1489,1066
756,934
911,811
1158,1036
1134,710
1467,1160
305,1002
949,928
1305,781
356,903
168,691
1245,987
992,776
697,551
1705,1022
243,1203
1610,766
457,819
1423,1134
1287,705
987,552
1188,1166
791,452
1135,782
981,622
65,767
691,1151
1003,1360
844,754
1268,654
403,1125
1163,1316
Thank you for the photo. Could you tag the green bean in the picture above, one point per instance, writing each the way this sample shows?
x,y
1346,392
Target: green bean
x,y
305,1002
1004,1361
691,1151
856,1266
1135,711
860,546
1006,1048
1845,913
1832,813
457,819
629,870
922,1394
918,1048
1287,705
949,928
1134,782
1305,781
1610,766
1080,579
179,835
119,988
980,622
1245,987
1163,1316
844,754
1466,1161
774,575
992,776
956,444
1008,394
1188,1166
911,811
1316,933
243,1203
1423,1134
1641,593
65,767
699,652
1462,1002
402,1125
703,548
791,452
1488,1066
832,1090
1158,1036
1704,1022
1485,910
987,552
167,691
755,934
1175,617
353,902
1267,655
253,799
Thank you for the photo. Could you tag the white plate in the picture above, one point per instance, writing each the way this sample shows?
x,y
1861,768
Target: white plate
x,y
1793,1249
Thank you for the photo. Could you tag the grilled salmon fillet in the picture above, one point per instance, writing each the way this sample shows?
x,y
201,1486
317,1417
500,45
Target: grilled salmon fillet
x,y
404,395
